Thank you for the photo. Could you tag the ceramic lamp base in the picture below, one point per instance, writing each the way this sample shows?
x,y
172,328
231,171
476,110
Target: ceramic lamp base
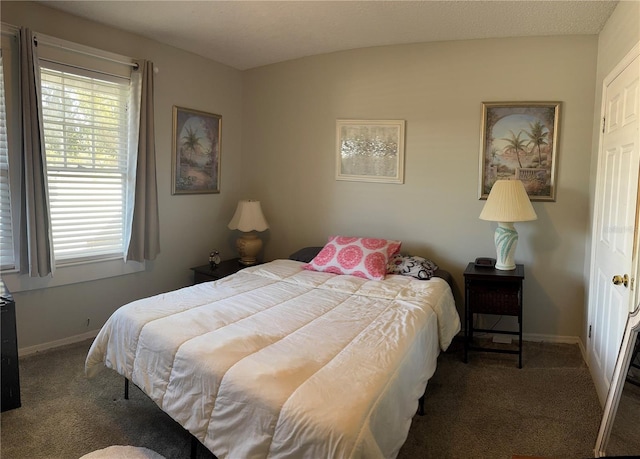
x,y
506,239
248,246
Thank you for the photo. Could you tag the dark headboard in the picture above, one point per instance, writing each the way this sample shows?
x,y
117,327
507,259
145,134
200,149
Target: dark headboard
x,y
306,254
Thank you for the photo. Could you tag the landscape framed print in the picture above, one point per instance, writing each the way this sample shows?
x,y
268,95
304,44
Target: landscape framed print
x,y
195,151
370,150
519,140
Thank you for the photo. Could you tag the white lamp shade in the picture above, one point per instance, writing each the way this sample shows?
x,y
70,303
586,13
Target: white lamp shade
x,y
248,217
508,202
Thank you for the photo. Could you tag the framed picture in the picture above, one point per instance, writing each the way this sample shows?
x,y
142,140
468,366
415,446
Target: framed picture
x,y
519,141
195,151
370,151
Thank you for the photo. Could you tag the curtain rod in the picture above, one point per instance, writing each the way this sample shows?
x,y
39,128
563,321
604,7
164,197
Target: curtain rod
x,y
8,29
11,30
79,67
87,53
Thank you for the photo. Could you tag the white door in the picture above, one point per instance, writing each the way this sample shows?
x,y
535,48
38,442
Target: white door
x,y
613,273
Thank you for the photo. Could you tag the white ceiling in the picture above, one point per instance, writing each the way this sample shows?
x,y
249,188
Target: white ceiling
x,y
247,34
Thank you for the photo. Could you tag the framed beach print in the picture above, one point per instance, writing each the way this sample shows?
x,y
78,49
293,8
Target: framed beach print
x,y
370,150
195,151
519,140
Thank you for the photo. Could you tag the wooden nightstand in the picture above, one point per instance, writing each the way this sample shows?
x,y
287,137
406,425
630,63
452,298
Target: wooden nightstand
x,y
226,268
492,291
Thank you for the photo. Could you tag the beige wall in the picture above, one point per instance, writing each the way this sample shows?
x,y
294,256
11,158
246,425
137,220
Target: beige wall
x,y
278,146
190,225
289,116
619,35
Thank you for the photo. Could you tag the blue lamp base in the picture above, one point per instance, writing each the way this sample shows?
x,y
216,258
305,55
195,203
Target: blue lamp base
x,y
506,239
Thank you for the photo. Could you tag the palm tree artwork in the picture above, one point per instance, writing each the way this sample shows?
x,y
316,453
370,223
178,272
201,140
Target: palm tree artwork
x,y
514,145
537,134
190,141
519,142
197,155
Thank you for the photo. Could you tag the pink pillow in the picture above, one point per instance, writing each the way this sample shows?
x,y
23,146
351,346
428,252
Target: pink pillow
x,y
359,256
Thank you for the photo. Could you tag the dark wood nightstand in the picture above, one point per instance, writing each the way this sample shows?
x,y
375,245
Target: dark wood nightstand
x,y
492,291
226,268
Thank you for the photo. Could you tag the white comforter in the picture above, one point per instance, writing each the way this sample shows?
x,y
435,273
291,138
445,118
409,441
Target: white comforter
x,y
277,361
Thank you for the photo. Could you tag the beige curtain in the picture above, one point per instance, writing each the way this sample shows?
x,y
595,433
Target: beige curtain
x,y
145,231
36,249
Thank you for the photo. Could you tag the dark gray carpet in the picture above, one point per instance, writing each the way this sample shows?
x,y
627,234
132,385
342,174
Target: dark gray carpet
x,y
491,409
487,408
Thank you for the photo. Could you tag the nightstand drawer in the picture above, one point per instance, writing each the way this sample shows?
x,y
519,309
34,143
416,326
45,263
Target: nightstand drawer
x,y
494,298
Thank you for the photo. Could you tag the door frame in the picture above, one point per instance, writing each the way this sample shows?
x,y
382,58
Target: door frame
x,y
633,296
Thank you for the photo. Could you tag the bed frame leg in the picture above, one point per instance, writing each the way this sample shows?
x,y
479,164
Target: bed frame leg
x,y
126,389
421,406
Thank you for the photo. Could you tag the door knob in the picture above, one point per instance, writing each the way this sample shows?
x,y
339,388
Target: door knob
x,y
617,280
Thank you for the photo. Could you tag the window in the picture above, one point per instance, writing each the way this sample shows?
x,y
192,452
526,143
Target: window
x,y
7,258
90,109
86,133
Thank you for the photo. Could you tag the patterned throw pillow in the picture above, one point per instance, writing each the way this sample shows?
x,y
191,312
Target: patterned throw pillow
x,y
358,256
417,267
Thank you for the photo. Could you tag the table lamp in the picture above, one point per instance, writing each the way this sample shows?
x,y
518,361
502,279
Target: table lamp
x,y
248,218
507,203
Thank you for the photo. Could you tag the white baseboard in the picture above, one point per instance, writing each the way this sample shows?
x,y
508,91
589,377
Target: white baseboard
x,y
57,343
539,338
534,337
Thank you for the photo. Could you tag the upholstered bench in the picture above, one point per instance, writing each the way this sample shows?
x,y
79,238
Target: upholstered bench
x,y
123,452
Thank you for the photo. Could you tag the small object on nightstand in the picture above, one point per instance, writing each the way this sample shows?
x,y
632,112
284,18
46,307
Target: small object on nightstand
x,y
485,262
214,259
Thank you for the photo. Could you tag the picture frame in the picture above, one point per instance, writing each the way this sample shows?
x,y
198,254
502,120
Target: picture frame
x,y
195,153
519,140
370,150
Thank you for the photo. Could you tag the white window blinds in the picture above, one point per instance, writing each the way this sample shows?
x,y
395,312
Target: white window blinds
x,y
86,134
7,260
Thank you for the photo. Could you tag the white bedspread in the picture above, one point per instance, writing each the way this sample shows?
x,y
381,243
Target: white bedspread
x,y
277,361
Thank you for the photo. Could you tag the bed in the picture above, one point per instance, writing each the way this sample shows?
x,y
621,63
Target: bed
x,y
281,361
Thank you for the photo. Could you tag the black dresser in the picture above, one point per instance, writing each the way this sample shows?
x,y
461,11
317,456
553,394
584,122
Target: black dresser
x,y
9,370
